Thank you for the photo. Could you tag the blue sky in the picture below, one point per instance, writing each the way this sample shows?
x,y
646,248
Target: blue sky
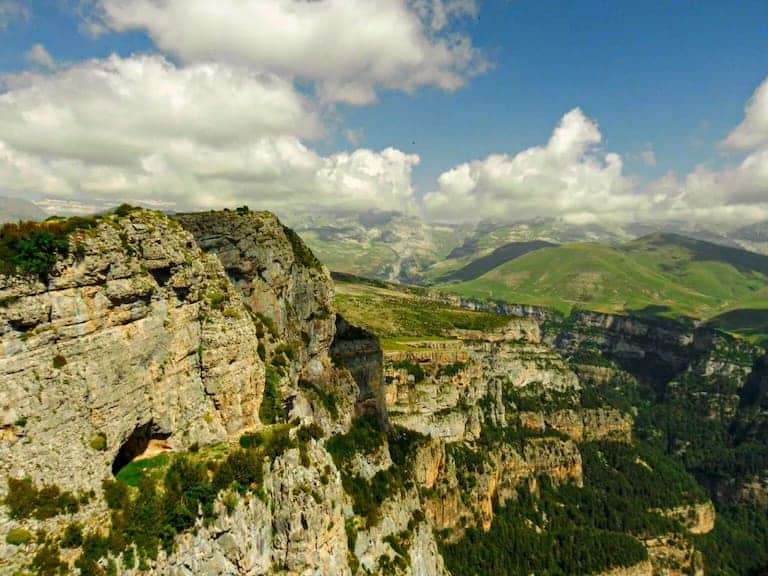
x,y
668,77
672,74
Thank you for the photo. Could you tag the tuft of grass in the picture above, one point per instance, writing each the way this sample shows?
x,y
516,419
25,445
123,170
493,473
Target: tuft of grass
x,y
99,442
18,537
132,473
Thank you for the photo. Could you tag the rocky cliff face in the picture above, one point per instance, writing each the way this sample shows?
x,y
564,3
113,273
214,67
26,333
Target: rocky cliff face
x,y
137,335
277,275
162,335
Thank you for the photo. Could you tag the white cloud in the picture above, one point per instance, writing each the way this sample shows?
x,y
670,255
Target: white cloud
x,y
354,137
119,109
40,56
348,48
648,156
752,133
568,178
206,135
565,178
12,11
439,13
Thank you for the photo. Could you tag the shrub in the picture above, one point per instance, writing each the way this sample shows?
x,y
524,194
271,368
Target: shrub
x,y
327,398
51,501
187,491
216,299
99,442
278,442
271,409
301,252
47,561
73,536
252,440
18,536
24,500
241,470
411,368
266,322
287,350
35,247
125,210
365,436
309,431
129,558
59,362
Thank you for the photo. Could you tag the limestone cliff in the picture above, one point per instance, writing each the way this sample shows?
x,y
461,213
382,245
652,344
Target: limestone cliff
x,y
137,335
277,275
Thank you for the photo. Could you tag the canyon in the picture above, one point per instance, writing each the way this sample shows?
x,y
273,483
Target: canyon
x,y
160,344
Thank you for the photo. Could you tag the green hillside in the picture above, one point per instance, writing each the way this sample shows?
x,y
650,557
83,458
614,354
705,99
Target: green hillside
x,y
484,264
663,274
396,312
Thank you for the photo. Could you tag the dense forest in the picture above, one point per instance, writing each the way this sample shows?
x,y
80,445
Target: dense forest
x,y
570,530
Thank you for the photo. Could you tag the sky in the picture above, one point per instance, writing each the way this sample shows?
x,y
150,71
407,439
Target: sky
x,y
457,110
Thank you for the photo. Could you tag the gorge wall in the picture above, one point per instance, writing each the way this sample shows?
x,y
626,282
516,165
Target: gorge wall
x,y
202,353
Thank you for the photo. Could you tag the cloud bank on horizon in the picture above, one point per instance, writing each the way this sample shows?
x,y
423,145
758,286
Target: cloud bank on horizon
x,y
220,115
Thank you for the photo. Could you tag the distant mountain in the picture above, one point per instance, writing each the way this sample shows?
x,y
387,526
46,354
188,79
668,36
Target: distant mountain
x,y
754,233
404,247
484,264
14,209
661,274
384,245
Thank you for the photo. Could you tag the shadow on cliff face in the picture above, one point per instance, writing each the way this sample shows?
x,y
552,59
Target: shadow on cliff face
x,y
359,351
137,443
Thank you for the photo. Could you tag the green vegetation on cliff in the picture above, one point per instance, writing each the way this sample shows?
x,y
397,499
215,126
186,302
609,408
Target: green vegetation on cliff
x,y
35,247
571,530
534,535
394,311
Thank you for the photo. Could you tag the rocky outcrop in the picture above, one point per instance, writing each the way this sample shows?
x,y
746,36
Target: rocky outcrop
x,y
359,352
460,375
465,484
644,568
582,425
278,276
696,518
674,555
137,334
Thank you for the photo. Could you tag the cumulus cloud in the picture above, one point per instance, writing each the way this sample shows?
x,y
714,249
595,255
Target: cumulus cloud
x,y
197,136
40,56
12,11
570,178
752,133
348,48
566,178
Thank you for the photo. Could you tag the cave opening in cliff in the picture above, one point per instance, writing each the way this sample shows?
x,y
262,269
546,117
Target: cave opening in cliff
x,y
144,441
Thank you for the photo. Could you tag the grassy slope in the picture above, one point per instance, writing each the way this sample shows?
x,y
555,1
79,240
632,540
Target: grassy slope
x,y
659,273
397,313
485,264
